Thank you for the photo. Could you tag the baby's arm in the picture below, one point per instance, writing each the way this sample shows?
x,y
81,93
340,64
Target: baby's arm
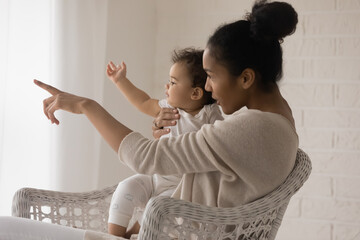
x,y
137,97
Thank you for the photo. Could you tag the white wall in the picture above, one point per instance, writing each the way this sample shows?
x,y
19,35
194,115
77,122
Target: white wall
x,y
188,23
321,83
130,38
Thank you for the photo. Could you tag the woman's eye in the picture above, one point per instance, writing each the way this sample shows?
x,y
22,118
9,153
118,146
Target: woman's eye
x,y
172,83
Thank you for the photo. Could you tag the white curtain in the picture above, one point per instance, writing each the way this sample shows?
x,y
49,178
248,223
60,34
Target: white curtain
x,y
79,43
61,42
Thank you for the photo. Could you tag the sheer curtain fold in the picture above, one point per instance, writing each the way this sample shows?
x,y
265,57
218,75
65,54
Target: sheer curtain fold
x,y
61,42
79,44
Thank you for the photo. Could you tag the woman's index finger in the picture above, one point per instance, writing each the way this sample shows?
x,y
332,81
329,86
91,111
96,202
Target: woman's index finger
x,y
50,89
169,110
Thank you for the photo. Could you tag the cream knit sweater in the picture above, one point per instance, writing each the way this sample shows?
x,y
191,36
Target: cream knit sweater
x,y
225,164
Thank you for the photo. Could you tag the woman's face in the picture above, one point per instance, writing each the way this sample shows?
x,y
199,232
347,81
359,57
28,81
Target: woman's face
x,y
224,87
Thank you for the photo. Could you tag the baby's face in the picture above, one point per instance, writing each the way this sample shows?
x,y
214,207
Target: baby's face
x,y
179,88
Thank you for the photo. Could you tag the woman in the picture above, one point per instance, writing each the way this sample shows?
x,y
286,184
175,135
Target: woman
x,y
231,162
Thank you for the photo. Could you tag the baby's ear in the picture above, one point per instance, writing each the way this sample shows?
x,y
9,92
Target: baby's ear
x,y
197,93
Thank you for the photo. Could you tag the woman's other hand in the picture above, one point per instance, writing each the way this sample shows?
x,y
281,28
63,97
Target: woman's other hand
x,y
166,117
60,100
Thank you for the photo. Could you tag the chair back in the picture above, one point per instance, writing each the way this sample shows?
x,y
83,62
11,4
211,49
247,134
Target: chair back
x,y
169,218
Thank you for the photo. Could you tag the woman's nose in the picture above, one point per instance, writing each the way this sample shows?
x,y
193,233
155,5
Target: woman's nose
x,y
208,86
167,86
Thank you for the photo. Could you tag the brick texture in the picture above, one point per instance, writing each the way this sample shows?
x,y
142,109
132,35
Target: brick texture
x,y
332,210
347,95
322,85
298,229
346,232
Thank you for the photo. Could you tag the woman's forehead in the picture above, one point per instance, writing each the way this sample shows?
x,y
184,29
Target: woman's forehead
x,y
208,61
212,65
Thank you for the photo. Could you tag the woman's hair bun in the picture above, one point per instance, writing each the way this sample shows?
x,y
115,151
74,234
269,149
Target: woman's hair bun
x,y
272,20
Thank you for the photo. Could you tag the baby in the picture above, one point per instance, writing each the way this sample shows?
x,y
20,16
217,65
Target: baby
x,y
185,91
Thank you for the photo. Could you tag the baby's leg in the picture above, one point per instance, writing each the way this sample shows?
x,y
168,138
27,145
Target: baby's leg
x,y
133,192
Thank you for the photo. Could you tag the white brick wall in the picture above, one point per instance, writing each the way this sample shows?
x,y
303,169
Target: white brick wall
x,y
325,89
322,84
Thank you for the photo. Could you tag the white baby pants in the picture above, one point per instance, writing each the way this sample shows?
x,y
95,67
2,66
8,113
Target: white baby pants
x,y
134,192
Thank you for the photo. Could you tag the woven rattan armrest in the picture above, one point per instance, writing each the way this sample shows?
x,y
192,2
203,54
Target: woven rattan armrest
x,y
86,210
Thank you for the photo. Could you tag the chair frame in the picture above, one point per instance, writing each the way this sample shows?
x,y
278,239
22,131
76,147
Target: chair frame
x,y
169,218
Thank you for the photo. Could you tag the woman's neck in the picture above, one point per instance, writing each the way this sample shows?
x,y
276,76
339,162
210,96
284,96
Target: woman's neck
x,y
271,101
264,100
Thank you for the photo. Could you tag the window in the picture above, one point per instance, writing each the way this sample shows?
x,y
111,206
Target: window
x,y
25,40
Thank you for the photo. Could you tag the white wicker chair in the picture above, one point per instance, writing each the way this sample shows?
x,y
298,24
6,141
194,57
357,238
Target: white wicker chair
x,y
168,218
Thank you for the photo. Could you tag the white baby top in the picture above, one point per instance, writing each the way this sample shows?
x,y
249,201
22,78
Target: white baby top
x,y
187,123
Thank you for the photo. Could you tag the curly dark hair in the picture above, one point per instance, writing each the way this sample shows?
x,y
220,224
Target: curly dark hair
x,y
255,42
193,61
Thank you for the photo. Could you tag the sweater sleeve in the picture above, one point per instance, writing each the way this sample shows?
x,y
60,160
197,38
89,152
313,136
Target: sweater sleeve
x,y
239,145
189,153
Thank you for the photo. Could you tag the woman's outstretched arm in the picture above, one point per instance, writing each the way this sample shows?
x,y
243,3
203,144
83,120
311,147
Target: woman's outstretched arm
x,y
110,129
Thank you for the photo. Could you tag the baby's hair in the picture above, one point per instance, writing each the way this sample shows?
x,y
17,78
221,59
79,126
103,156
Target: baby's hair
x,y
193,61
255,42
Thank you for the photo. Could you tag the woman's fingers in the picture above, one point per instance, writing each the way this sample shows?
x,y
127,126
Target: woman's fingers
x,y
160,124
49,104
169,112
49,107
157,133
60,100
166,117
50,112
50,89
46,103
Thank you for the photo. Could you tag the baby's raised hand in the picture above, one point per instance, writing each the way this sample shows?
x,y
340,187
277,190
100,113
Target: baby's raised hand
x,y
116,73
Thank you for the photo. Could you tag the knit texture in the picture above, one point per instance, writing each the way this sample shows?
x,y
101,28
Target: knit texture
x,y
225,164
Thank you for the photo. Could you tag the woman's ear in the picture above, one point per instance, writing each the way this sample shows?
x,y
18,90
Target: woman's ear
x,y
247,78
197,93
